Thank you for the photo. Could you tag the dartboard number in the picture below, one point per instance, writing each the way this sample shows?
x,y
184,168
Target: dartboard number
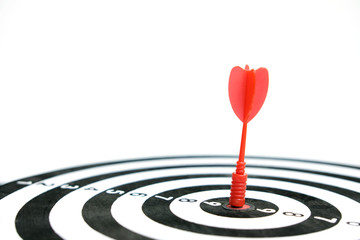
x,y
164,198
356,224
214,204
187,200
113,191
291,214
333,220
135,194
91,189
67,186
266,210
24,182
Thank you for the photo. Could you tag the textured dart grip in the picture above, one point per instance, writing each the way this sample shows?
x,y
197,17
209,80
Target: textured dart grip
x,y
238,189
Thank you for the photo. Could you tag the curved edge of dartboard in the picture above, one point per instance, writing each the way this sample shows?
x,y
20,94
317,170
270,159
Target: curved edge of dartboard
x,y
184,197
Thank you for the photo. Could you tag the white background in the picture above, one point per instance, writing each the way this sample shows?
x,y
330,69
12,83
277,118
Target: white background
x,y
92,81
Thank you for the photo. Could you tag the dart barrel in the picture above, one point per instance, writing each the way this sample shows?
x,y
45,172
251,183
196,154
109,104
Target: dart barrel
x,y
238,189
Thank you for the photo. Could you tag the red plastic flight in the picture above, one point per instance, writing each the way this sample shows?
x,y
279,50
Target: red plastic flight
x,y
247,93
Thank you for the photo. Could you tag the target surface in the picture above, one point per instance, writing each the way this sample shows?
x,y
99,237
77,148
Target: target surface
x,y
184,198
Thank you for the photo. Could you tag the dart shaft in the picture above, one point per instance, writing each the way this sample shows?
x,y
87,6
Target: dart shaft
x,y
240,167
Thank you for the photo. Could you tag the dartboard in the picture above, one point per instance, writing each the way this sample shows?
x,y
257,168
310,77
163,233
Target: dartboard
x,y
184,197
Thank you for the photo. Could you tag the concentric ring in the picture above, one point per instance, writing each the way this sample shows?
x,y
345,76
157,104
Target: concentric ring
x,y
91,197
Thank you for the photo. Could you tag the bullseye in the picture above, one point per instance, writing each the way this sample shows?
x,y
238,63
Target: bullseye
x,y
252,209
244,207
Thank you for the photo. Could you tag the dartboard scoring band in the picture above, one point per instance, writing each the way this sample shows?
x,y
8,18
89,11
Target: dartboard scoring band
x,y
184,197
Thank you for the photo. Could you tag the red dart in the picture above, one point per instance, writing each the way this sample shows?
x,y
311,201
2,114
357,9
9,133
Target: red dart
x,y
247,93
